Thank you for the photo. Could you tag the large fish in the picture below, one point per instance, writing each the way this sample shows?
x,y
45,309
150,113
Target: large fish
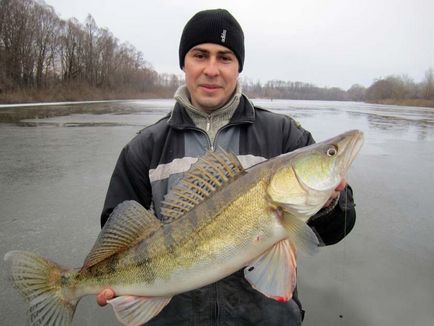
x,y
218,219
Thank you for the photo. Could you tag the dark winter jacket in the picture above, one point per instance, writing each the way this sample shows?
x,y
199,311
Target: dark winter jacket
x,y
155,160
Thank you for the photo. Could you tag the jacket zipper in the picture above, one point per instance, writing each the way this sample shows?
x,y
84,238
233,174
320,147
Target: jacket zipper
x,y
212,145
216,307
218,132
208,126
208,123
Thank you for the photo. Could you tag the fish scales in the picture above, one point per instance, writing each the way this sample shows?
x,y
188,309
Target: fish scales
x,y
205,234
214,230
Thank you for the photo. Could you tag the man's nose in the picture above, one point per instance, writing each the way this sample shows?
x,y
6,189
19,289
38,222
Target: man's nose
x,y
211,68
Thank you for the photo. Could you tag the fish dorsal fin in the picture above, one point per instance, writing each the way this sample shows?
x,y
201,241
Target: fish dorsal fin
x,y
206,176
129,223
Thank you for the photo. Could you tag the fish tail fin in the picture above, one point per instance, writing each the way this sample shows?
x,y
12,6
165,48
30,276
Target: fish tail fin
x,y
40,281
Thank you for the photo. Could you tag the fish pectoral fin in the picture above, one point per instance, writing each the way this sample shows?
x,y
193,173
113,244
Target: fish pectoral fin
x,y
135,310
129,223
274,273
300,232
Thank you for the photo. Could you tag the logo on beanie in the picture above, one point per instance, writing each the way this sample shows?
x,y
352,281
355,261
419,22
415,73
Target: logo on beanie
x,y
223,36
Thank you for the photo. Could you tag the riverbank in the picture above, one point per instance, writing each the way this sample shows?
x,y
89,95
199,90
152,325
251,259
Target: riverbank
x,y
406,102
18,113
78,93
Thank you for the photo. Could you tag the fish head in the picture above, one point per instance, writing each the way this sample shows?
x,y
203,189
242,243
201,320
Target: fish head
x,y
322,167
305,179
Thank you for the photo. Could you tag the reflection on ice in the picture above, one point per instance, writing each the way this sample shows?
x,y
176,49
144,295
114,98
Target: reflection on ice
x,y
395,120
20,113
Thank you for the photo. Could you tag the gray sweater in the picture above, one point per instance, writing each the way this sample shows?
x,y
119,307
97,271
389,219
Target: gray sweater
x,y
209,122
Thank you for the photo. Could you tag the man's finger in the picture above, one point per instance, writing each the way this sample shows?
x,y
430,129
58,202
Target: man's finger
x,y
104,295
341,186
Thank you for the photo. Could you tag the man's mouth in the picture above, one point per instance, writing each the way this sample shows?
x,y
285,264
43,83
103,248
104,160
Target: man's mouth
x,y
209,86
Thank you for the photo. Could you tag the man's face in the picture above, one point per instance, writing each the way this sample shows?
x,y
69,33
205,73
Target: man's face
x,y
211,73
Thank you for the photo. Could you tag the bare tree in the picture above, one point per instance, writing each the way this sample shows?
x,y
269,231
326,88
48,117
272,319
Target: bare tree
x,y
428,84
47,28
17,34
356,92
71,50
90,52
106,47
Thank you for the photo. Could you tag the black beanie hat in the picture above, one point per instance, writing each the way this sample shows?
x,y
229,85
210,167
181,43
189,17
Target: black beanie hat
x,y
213,26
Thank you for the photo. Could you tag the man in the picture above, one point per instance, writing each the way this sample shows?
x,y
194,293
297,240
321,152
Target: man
x,y
211,112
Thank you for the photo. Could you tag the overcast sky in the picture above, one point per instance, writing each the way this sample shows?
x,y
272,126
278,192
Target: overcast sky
x,y
324,42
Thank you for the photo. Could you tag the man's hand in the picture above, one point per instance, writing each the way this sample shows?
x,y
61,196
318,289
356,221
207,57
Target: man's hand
x,y
105,295
341,186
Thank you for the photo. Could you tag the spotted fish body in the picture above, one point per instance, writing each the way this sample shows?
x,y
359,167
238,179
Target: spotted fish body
x,y
217,220
177,258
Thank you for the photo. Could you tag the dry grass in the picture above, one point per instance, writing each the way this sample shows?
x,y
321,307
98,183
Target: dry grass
x,y
77,93
407,102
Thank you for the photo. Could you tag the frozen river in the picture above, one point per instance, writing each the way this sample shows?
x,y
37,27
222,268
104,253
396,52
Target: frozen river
x,y
55,171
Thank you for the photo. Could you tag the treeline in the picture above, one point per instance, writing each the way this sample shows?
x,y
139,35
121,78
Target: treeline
x,y
402,88
279,89
392,89
40,51
43,57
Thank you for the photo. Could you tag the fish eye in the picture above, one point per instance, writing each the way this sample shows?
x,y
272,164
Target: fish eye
x,y
332,151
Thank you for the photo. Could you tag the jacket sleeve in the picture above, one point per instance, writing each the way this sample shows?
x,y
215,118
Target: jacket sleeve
x,y
295,136
336,224
129,181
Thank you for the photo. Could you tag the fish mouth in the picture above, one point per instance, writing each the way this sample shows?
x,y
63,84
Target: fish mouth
x,y
351,143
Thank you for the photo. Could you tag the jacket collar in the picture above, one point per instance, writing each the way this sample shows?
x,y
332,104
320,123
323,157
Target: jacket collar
x,y
245,113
